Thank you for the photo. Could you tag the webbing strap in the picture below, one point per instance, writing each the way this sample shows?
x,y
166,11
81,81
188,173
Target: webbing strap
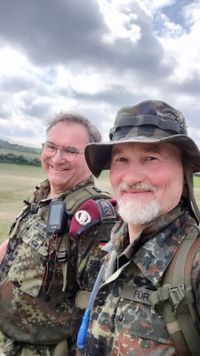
x,y
76,198
192,331
73,201
178,296
185,321
178,306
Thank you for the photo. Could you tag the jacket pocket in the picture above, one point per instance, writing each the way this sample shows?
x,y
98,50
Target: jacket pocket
x,y
28,268
140,320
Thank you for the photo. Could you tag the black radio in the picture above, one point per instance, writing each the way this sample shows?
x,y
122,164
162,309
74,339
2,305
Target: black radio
x,y
57,217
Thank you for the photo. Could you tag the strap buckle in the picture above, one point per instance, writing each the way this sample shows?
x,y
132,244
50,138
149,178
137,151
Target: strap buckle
x,y
62,257
176,296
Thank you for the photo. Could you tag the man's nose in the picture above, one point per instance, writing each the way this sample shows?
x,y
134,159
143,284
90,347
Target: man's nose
x,y
134,173
58,155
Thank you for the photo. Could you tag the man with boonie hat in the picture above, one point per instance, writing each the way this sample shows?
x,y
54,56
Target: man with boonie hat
x,y
148,300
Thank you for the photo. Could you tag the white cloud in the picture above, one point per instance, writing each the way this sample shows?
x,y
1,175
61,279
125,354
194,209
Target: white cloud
x,y
192,13
12,61
94,57
120,24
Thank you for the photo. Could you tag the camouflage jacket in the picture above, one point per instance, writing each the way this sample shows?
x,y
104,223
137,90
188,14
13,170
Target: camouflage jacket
x,y
41,276
123,322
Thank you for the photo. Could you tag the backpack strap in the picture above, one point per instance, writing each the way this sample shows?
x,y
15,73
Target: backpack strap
x,y
78,197
174,300
86,207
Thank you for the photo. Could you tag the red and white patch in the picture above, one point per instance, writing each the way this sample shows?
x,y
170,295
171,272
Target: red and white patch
x,y
86,216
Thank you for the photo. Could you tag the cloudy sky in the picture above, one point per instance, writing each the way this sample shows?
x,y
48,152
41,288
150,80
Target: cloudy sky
x,y
93,57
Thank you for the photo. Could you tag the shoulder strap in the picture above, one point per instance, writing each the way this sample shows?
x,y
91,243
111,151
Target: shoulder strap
x,y
174,300
73,201
76,198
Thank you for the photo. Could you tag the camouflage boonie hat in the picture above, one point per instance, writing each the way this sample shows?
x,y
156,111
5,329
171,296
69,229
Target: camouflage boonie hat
x,y
147,122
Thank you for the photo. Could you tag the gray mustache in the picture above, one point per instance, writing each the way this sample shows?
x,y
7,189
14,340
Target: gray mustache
x,y
136,186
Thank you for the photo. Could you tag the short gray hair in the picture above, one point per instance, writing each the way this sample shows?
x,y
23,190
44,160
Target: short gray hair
x,y
93,132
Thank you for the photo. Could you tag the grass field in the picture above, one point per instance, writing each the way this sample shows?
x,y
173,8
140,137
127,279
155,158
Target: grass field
x,y
17,183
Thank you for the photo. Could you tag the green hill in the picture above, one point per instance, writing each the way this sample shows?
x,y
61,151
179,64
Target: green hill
x,y
19,154
17,147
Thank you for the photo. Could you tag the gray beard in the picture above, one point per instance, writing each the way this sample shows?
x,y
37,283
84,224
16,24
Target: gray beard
x,y
137,213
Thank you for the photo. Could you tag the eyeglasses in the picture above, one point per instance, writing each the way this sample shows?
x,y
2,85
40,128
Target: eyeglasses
x,y
68,153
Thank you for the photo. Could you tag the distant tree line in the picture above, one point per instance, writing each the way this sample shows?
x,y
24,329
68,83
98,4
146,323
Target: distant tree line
x,y
19,159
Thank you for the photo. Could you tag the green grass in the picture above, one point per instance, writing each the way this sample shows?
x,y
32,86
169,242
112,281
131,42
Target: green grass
x,y
16,184
197,181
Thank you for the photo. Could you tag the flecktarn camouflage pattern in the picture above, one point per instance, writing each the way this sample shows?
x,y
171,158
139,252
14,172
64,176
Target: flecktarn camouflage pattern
x,y
123,321
41,275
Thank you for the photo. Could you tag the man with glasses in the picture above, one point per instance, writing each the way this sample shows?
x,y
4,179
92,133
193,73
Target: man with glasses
x,y
55,246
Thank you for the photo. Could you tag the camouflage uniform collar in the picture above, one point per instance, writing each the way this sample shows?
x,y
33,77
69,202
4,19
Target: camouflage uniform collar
x,y
158,250
119,234
83,184
154,249
41,191
164,221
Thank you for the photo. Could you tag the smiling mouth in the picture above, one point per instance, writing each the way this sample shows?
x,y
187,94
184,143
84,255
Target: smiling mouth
x,y
136,193
137,188
59,169
133,191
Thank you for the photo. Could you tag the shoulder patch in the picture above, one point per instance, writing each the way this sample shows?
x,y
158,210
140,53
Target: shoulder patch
x,y
91,213
107,209
86,216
